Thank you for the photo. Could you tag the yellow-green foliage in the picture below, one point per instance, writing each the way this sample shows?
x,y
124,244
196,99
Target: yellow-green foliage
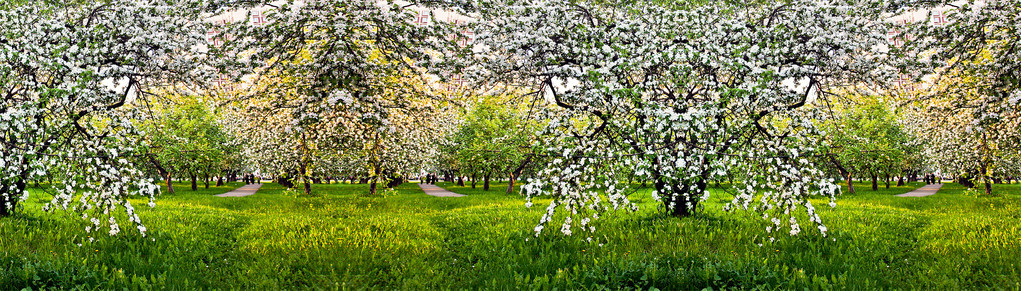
x,y
340,239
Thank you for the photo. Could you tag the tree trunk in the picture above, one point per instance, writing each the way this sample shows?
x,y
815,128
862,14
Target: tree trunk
x,y
219,181
376,170
170,184
473,180
510,183
966,182
875,183
887,181
285,181
984,172
162,171
207,181
460,180
194,182
900,180
843,172
679,200
9,200
850,183
396,181
989,187
308,187
485,184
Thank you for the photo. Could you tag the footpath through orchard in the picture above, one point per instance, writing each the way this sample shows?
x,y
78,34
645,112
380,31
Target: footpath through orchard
x,y
434,190
246,190
923,191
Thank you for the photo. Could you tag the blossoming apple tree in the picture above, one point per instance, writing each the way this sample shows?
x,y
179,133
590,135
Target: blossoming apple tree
x,y
73,78
354,83
681,96
964,55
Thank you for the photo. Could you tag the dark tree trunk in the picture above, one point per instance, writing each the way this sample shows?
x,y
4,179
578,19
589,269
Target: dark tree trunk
x,y
900,180
305,179
377,171
308,187
207,181
485,183
887,181
460,180
8,199
843,173
473,180
875,182
170,183
194,182
680,201
162,171
966,182
286,182
219,181
850,183
510,183
989,187
395,181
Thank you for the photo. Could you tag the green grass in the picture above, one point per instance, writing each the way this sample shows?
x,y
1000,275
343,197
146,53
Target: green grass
x,y
341,239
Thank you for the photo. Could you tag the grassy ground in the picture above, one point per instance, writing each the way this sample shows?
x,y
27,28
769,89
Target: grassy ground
x,y
407,240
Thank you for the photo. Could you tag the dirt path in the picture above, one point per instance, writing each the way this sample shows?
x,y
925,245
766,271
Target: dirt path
x,y
434,190
245,190
923,191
